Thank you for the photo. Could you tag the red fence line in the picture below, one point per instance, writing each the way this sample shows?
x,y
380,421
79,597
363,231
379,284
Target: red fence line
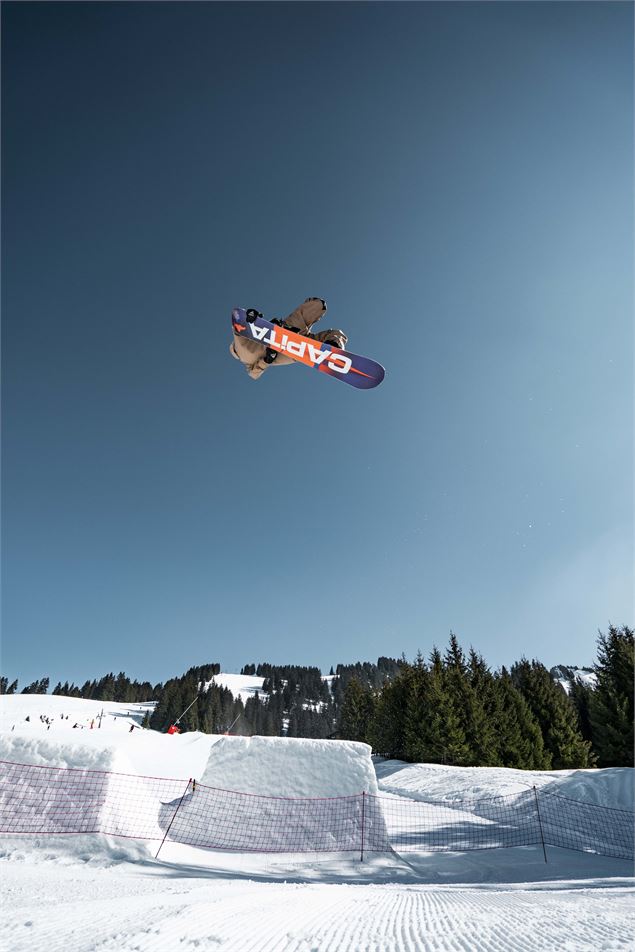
x,y
44,800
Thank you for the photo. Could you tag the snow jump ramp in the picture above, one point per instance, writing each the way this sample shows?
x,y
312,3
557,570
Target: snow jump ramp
x,y
276,794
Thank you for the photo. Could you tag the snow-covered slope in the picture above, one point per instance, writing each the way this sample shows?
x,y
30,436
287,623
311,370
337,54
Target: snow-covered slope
x,y
565,676
54,713
243,686
610,787
81,893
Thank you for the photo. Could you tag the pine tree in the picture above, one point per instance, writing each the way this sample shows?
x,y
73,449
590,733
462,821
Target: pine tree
x,y
486,688
418,744
4,683
471,690
611,704
36,687
444,739
356,712
105,689
386,731
165,712
580,695
292,722
88,689
518,733
555,714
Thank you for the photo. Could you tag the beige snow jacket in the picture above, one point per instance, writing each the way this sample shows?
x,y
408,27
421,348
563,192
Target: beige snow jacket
x,y
251,353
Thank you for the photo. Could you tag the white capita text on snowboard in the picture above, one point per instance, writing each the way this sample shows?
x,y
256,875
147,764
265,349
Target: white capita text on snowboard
x,y
92,891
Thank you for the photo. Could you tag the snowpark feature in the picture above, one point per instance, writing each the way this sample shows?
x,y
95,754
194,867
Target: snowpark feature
x,y
86,892
36,799
291,767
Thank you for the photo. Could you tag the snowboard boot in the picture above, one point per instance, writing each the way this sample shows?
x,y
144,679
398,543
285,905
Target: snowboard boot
x,y
287,327
252,314
336,339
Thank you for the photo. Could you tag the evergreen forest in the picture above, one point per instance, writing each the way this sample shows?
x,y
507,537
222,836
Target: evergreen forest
x,y
449,707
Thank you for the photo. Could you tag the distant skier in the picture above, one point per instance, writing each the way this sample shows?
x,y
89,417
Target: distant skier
x,y
257,357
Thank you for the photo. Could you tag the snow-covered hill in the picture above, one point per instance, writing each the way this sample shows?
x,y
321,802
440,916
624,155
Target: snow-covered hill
x,y
243,686
27,711
566,675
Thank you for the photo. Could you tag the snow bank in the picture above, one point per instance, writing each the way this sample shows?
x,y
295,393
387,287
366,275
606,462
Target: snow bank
x,y
608,787
290,767
44,801
42,752
437,782
96,790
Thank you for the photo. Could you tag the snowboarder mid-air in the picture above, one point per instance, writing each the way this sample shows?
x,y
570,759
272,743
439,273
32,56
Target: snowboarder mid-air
x,y
257,357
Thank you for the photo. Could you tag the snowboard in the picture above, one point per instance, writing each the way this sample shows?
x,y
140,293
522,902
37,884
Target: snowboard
x,y
360,372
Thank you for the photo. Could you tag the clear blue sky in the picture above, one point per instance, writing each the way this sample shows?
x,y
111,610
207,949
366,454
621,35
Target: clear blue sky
x,y
456,180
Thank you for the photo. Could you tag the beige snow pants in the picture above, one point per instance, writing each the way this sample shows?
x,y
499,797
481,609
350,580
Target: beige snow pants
x,y
251,353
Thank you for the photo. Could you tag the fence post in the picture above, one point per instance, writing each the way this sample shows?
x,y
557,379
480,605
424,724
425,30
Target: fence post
x,y
361,858
190,781
542,839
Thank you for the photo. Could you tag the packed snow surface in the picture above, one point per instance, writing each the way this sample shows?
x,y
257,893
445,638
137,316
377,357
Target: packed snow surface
x,y
296,907
290,767
89,893
611,787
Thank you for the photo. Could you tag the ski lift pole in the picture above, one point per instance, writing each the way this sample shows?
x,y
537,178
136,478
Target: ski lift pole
x,y
187,709
232,724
